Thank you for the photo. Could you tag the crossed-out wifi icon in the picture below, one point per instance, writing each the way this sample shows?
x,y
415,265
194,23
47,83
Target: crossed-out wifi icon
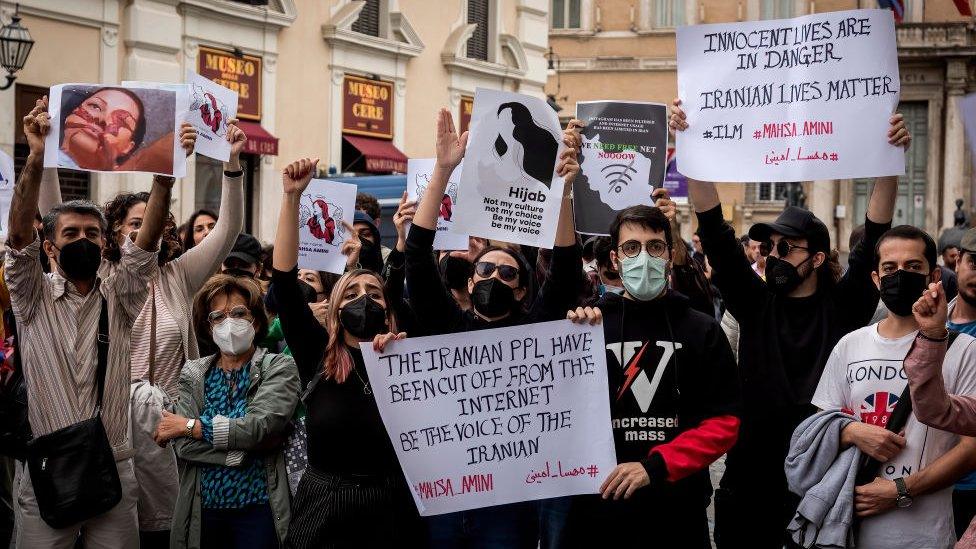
x,y
619,175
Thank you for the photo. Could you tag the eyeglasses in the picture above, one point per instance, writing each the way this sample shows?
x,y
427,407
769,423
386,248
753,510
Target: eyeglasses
x,y
632,248
216,317
783,248
485,269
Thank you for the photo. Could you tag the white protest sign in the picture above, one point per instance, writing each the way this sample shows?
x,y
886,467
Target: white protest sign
x,y
509,187
322,208
6,190
789,100
211,106
419,171
132,127
497,416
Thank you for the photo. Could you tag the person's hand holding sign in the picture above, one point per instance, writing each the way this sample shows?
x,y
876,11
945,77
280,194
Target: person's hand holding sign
x,y
624,480
188,137
567,168
403,217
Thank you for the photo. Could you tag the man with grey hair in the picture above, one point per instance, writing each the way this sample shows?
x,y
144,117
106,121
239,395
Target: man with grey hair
x,y
58,321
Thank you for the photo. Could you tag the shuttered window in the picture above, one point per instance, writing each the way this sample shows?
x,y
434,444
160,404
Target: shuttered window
x,y
478,43
369,19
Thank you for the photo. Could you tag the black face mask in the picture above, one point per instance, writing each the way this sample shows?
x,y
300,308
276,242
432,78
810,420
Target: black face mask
x,y
456,271
80,259
781,276
363,318
901,289
492,297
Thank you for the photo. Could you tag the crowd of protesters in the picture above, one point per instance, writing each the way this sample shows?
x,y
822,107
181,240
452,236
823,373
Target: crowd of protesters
x,y
230,389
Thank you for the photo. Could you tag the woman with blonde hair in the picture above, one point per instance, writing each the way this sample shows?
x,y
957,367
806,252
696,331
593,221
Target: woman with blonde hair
x,y
353,493
230,424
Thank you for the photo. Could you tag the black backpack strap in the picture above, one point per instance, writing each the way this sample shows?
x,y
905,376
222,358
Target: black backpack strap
x,y
103,342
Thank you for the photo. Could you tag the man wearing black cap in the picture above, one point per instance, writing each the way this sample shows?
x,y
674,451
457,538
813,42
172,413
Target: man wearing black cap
x,y
244,259
789,324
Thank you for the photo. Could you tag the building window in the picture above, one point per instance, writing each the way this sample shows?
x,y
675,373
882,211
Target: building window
x,y
669,13
770,192
565,14
478,13
777,9
369,19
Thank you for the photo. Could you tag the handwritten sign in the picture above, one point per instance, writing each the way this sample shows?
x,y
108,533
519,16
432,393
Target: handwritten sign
x,y
323,207
238,73
789,100
498,416
621,160
367,107
211,106
419,171
509,188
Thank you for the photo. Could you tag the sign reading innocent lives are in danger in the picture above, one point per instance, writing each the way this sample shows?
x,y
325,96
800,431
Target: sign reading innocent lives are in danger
x,y
789,100
509,189
506,415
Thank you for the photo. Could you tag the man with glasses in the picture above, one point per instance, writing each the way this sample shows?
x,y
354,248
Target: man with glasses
x,y
789,324
674,398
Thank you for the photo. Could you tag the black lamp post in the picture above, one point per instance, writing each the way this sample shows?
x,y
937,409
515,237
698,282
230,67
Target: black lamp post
x,y
15,46
553,69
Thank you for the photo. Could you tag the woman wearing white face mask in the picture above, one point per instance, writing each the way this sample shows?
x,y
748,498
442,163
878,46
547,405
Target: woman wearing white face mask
x,y
230,422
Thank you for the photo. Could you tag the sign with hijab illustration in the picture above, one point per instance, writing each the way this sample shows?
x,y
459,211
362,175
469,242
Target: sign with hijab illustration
x,y
509,188
211,106
419,171
127,128
622,159
322,209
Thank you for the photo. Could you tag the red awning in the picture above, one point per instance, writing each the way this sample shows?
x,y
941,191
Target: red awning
x,y
259,141
381,156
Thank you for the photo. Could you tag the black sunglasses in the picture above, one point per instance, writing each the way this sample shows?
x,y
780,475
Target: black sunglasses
x,y
783,248
485,269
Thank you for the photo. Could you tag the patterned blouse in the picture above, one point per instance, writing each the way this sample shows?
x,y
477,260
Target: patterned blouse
x,y
224,487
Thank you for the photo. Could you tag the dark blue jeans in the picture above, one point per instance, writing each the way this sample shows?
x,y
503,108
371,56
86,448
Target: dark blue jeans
x,y
553,516
513,526
250,527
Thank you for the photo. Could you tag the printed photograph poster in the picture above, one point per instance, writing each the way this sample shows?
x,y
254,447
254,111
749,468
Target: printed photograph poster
x,y
6,190
498,416
211,106
789,100
509,188
419,171
322,208
622,160
123,128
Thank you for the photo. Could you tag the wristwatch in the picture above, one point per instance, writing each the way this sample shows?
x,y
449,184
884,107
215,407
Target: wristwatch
x,y
904,498
190,424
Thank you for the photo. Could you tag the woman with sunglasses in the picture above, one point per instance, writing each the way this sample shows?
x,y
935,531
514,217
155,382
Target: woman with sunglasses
x,y
498,288
231,419
353,493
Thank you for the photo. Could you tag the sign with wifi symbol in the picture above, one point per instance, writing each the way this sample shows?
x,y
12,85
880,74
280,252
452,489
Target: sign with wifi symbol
x,y
619,176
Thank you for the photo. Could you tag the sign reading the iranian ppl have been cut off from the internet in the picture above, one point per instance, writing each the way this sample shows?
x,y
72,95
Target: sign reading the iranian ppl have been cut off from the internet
x,y
789,100
497,416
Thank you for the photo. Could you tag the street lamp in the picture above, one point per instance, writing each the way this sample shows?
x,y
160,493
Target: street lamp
x,y
15,46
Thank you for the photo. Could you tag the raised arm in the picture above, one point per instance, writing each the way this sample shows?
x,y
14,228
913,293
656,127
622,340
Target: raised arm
x,y
203,260
568,168
23,205
50,191
157,209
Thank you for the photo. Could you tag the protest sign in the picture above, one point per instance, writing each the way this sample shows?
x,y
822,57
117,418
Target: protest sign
x,y
789,100
6,190
322,208
675,183
509,188
621,160
419,171
125,128
498,416
211,106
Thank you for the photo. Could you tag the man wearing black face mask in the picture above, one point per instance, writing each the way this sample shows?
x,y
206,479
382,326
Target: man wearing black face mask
x,y
371,254
864,377
58,318
788,325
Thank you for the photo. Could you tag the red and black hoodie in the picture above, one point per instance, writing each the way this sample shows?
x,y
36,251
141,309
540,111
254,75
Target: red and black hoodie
x,y
674,391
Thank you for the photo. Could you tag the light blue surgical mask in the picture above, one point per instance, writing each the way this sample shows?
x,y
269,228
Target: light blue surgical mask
x,y
607,289
644,276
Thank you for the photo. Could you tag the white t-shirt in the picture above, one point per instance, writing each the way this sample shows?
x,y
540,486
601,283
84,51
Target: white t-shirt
x,y
864,376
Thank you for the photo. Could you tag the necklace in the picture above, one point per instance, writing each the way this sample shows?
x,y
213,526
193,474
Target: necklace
x,y
367,390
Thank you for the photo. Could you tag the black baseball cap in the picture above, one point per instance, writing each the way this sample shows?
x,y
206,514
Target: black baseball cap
x,y
795,223
968,241
247,249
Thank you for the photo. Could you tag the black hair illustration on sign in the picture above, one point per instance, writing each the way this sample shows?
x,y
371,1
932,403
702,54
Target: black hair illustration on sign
x,y
539,147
